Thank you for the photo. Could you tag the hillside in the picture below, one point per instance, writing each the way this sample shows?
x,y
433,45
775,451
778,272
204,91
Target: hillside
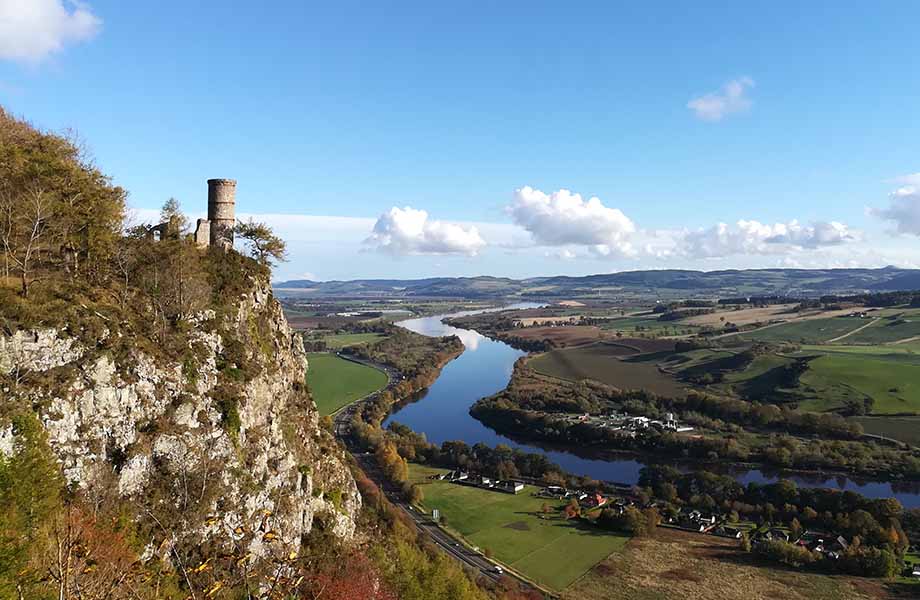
x,y
157,437
649,284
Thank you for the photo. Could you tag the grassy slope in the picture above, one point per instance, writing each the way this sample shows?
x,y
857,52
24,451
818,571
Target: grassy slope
x,y
895,386
553,551
336,382
888,330
809,332
595,362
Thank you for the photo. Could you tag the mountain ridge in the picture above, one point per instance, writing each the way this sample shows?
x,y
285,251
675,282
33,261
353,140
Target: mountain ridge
x,y
771,281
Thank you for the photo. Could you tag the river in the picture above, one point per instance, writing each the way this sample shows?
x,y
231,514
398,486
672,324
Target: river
x,y
484,368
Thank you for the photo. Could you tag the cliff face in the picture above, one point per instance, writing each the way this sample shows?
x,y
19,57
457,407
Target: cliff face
x,y
209,450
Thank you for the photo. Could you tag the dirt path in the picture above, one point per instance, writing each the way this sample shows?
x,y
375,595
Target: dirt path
x,y
857,330
916,338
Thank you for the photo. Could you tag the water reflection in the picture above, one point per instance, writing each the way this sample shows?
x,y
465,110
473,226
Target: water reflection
x,y
442,414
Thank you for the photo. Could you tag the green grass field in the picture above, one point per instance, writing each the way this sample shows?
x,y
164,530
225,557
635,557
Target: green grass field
x,y
890,329
597,362
893,385
906,353
344,340
336,382
551,551
648,324
813,331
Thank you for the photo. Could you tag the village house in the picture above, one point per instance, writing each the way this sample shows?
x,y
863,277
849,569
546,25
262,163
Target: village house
x,y
510,487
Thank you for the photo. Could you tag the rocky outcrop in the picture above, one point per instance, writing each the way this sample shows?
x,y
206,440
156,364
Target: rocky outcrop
x,y
208,449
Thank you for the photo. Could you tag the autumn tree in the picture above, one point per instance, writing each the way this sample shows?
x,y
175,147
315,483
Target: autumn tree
x,y
24,228
264,245
61,216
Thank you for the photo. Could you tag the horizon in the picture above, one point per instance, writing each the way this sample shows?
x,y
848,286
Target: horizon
x,y
276,282
598,150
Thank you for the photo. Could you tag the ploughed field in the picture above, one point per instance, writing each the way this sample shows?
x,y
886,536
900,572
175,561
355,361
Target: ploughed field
x,y
335,382
617,364
544,547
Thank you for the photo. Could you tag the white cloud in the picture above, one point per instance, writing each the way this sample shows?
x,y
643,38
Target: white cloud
x,y
408,231
31,30
903,205
565,218
753,237
561,254
731,99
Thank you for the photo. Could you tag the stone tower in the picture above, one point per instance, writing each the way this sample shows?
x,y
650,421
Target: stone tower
x,y
221,212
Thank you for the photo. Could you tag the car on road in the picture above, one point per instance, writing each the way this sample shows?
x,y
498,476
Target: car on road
x,y
497,569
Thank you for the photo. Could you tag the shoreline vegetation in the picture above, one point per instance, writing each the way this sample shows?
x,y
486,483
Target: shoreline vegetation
x,y
880,539
545,409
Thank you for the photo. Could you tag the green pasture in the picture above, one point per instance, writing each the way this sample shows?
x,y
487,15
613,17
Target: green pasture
x,y
894,386
897,327
335,382
649,323
902,353
812,331
344,340
550,550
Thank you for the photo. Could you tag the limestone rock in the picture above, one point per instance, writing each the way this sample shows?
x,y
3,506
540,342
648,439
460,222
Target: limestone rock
x,y
147,429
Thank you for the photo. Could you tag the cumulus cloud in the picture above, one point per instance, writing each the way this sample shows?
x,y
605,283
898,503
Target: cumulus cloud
x,y
753,237
732,98
408,231
31,30
903,205
564,218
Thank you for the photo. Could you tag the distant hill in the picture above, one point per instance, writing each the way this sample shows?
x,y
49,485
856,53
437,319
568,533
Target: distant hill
x,y
795,283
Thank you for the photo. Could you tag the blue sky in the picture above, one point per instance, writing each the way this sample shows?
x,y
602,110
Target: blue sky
x,y
798,120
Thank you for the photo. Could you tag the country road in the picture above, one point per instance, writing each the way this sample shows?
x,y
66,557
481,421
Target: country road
x,y
446,542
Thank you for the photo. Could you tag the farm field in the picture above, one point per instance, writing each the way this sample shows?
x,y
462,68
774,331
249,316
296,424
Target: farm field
x,y
894,386
572,335
676,565
887,330
649,323
807,331
906,353
600,362
552,551
335,382
344,340
744,316
905,429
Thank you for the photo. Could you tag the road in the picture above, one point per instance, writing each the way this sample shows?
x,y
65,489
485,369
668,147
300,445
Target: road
x,y
446,542
849,333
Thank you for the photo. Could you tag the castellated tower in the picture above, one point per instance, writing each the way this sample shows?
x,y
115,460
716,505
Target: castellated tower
x,y
221,212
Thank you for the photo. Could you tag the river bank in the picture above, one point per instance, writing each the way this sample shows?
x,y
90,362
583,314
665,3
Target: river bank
x,y
484,368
